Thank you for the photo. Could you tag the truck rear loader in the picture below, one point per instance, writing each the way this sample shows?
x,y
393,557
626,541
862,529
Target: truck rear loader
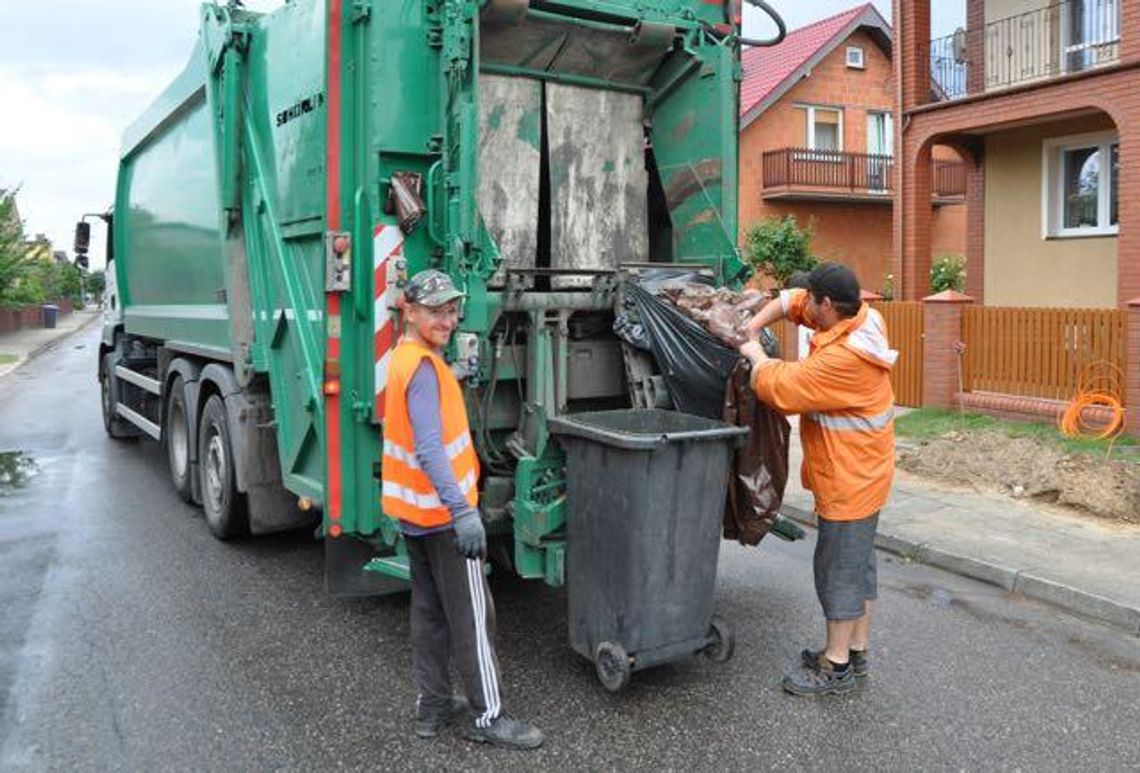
x,y
307,161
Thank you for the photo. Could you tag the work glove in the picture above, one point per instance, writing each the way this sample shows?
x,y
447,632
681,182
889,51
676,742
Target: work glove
x,y
470,537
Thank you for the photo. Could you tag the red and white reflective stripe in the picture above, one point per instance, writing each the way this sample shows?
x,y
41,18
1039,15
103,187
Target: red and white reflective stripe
x,y
387,253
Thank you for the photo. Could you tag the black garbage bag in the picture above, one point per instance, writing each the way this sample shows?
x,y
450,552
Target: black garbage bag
x,y
627,323
693,362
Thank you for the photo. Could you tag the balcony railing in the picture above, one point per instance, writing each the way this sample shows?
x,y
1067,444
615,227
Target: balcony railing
x,y
804,173
949,179
828,170
1054,40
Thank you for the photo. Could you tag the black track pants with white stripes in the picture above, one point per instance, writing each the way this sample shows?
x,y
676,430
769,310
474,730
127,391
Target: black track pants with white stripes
x,y
452,614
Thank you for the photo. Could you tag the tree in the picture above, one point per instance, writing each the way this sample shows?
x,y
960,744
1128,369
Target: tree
x,y
96,283
779,248
14,261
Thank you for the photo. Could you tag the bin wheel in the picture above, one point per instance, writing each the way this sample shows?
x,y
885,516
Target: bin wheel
x,y
723,643
613,666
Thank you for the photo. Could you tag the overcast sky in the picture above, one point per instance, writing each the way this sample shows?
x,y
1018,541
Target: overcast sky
x,y
75,73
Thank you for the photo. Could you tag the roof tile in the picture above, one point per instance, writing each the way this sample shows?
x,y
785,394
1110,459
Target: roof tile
x,y
766,68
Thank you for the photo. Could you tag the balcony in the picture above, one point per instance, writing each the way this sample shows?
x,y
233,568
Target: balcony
x,y
1048,42
831,175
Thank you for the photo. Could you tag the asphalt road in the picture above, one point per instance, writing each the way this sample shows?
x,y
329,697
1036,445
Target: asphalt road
x,y
132,640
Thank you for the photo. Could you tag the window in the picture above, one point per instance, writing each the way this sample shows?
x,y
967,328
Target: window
x,y
1089,31
1080,185
855,57
823,127
880,149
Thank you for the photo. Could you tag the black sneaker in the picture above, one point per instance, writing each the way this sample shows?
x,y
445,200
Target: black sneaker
x,y
820,679
860,661
508,732
430,721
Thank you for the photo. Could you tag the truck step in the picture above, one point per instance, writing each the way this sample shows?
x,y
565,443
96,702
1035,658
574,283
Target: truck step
x,y
397,568
140,421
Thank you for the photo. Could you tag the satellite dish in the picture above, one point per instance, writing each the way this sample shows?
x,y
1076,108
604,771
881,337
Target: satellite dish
x,y
959,45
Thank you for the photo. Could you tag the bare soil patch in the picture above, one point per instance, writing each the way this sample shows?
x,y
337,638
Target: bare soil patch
x,y
1026,468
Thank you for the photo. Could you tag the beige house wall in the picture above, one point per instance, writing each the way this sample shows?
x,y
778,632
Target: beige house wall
x,y
1022,267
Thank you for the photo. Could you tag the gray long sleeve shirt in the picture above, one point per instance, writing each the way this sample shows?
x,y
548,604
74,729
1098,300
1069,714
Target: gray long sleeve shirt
x,y
427,425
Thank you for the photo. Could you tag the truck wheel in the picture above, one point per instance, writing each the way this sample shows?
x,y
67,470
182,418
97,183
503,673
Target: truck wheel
x,y
723,642
117,427
613,666
176,436
224,505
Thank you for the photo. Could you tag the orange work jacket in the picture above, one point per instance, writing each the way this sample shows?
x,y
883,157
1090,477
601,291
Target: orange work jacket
x,y
842,391
407,492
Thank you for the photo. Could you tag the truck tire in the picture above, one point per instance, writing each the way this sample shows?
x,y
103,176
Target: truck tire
x,y
117,427
176,431
224,505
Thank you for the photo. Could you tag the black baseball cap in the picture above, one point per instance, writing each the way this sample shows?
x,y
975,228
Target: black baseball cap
x,y
834,281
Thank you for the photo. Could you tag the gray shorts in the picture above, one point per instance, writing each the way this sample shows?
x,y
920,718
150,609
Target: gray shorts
x,y
845,575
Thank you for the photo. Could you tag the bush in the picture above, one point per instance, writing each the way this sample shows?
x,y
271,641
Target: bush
x,y
779,248
948,273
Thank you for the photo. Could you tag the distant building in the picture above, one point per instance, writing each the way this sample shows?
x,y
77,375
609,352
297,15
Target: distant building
x,y
817,142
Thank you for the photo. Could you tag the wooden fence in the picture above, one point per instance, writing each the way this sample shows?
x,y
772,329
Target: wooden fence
x,y
904,330
1038,352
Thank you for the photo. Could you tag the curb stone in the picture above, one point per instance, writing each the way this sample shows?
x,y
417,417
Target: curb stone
x,y
1023,581
1079,602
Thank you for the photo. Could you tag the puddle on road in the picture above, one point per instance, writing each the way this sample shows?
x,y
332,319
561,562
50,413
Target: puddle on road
x,y
16,469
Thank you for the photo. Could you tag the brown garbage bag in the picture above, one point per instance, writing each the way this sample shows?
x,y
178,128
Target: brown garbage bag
x,y
760,468
718,310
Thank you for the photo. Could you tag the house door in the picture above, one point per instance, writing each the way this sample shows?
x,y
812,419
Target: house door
x,y
880,150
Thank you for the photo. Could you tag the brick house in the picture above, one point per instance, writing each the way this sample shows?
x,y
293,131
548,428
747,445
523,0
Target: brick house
x,y
1040,99
817,139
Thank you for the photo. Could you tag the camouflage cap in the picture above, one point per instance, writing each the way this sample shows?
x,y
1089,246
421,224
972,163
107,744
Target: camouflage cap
x,y
431,288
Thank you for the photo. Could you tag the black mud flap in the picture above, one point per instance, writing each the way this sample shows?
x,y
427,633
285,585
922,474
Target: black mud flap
x,y
345,575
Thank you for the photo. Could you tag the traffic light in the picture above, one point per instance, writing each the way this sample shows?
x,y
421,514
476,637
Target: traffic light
x,y
81,261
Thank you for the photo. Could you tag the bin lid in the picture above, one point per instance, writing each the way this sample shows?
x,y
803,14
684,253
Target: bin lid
x,y
642,428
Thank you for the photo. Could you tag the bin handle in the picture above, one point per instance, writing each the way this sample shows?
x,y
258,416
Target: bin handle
x,y
647,441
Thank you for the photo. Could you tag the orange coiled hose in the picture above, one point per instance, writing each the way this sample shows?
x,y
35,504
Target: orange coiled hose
x,y
1101,386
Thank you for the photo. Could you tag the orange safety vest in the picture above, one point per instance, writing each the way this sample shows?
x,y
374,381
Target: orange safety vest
x,y
407,492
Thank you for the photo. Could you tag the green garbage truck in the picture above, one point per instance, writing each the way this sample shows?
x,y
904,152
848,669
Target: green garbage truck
x,y
274,197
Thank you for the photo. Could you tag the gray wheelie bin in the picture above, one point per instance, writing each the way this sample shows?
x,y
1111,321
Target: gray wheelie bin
x,y
646,492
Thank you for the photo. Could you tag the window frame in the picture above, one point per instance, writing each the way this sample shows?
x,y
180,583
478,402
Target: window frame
x,y
1053,185
810,123
862,58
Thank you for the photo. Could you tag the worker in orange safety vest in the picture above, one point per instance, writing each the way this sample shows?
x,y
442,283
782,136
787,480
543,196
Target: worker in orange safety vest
x,y
430,476
842,392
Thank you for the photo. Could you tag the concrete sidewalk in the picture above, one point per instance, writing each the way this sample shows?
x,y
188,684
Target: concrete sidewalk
x,y
1086,566
25,344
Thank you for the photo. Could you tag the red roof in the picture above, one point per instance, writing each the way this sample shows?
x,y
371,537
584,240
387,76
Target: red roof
x,y
766,68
